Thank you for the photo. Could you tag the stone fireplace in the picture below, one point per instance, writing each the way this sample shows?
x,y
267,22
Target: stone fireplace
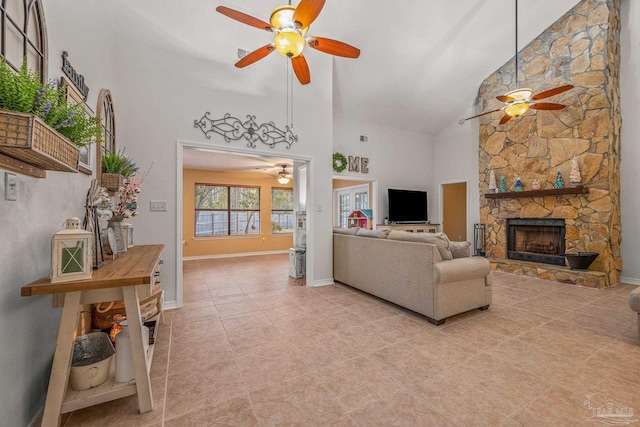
x,y
536,240
581,48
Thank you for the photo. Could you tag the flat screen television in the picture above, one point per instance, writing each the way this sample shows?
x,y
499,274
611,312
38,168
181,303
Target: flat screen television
x,y
407,206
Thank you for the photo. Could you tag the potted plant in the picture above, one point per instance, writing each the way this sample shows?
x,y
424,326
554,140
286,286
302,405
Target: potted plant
x,y
116,167
38,125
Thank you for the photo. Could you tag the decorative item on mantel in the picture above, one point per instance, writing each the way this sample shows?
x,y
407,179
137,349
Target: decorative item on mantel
x,y
559,181
518,184
535,184
503,184
71,253
574,176
492,182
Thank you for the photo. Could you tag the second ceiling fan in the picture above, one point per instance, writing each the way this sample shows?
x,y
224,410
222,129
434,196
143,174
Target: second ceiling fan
x,y
520,100
290,25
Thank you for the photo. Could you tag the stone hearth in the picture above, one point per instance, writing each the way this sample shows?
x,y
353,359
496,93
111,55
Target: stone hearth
x,y
582,49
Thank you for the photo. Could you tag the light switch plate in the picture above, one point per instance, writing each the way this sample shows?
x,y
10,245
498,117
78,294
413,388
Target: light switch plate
x,y
10,186
158,205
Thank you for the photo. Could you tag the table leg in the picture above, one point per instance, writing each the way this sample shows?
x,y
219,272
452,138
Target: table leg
x,y
62,360
143,384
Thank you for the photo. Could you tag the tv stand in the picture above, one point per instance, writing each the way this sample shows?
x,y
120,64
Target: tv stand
x,y
411,228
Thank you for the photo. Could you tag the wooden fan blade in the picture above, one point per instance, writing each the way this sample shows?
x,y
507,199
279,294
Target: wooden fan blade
x,y
306,12
301,69
505,119
256,55
333,47
482,114
551,92
547,106
244,18
505,98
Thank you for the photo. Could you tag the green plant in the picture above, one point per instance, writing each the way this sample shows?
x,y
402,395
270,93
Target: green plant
x,y
23,92
118,163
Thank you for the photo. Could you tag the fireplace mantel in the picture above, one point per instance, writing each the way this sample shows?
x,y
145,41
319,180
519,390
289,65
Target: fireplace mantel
x,y
538,193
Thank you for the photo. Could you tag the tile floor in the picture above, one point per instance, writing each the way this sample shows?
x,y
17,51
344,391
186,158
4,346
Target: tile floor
x,y
253,348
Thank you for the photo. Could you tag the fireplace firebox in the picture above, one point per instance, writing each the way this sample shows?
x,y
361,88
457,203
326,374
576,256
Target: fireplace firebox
x,y
537,240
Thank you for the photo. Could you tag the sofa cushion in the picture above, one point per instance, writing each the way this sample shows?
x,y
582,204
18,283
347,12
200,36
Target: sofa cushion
x,y
377,234
439,239
339,230
460,249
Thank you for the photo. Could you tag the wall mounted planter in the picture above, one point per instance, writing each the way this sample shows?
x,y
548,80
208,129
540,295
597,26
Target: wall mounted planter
x,y
111,181
29,139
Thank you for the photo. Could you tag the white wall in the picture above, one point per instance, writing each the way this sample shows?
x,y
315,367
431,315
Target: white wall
x,y
456,160
456,148
630,147
29,325
163,88
397,159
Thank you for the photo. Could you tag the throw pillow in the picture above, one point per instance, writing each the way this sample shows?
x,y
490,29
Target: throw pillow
x,y
376,234
460,249
439,239
352,231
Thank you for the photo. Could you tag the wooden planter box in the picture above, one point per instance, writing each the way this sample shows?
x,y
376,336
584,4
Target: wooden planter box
x,y
26,137
111,181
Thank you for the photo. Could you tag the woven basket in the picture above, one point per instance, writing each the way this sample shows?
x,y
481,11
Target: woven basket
x,y
26,137
111,181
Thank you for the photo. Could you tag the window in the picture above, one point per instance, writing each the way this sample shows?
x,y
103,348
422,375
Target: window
x,y
22,35
345,210
348,199
226,211
281,210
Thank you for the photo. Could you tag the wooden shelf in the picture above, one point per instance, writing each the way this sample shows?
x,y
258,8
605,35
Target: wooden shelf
x,y
538,193
110,389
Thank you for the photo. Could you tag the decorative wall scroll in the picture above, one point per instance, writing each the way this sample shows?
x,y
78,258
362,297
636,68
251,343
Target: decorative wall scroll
x,y
232,128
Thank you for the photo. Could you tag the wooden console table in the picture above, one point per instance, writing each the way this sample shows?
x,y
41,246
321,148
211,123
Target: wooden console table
x,y
412,228
129,277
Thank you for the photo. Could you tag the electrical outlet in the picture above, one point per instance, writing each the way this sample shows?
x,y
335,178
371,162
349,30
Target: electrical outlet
x,y
10,186
158,205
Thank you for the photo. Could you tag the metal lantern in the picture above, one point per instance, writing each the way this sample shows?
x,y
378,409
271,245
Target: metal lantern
x,y
71,250
127,231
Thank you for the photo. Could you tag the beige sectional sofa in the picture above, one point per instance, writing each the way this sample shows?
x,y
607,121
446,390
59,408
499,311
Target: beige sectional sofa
x,y
404,269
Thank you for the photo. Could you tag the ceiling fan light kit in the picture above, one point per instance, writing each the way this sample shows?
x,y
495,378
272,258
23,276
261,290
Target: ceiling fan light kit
x,y
290,25
518,101
283,176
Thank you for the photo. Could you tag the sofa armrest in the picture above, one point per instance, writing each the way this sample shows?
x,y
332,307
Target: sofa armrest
x,y
460,269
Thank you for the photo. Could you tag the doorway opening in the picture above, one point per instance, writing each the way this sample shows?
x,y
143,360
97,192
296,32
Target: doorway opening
x,y
353,194
454,210
249,208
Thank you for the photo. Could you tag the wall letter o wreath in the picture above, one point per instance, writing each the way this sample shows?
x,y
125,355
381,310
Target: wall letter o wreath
x,y
339,162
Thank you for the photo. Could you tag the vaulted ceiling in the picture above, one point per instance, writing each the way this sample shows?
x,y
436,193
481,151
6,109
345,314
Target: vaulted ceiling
x,y
421,61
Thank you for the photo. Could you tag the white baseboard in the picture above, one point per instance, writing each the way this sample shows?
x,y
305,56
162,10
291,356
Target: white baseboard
x,y
193,258
170,305
322,282
630,280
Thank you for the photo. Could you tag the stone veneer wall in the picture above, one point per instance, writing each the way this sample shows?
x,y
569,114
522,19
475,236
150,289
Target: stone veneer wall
x,y
581,48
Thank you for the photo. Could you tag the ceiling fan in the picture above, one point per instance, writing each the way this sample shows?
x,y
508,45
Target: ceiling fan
x,y
284,176
290,25
520,100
